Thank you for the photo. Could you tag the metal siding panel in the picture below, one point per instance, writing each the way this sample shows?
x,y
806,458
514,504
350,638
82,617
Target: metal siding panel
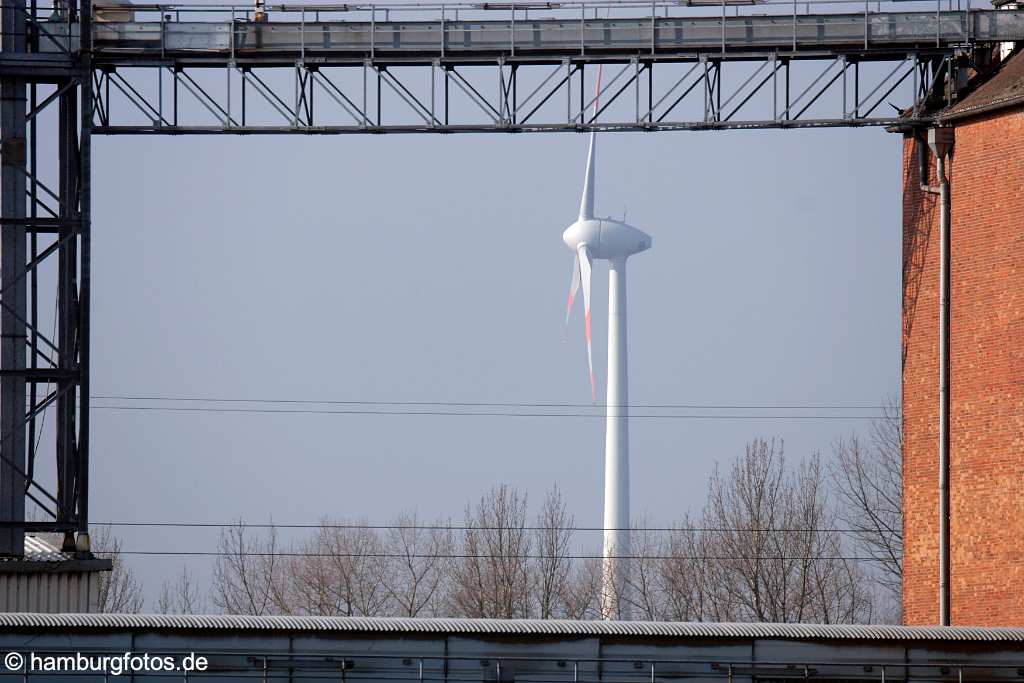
x,y
94,593
48,593
5,592
24,596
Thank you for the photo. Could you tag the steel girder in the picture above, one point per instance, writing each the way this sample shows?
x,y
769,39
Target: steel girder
x,y
446,96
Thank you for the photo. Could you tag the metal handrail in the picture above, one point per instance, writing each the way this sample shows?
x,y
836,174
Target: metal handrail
x,y
570,7
484,23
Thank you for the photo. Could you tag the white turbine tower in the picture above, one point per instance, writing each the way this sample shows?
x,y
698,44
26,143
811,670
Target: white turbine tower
x,y
591,237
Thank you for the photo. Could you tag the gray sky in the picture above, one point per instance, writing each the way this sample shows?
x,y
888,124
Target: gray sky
x,y
421,268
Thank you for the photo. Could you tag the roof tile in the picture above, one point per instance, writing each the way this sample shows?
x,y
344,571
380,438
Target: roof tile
x,y
1004,89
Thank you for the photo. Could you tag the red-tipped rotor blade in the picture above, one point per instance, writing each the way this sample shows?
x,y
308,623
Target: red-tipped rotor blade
x,y
574,286
583,258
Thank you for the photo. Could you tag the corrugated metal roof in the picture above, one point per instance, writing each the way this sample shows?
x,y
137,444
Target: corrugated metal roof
x,y
519,627
39,549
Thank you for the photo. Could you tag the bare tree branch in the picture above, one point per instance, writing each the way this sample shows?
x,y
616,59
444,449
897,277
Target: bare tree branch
x,y
492,579
417,569
868,481
777,554
552,565
119,589
182,596
246,573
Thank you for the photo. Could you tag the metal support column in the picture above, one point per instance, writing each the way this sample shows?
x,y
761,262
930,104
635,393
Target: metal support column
x,y
940,142
44,215
85,272
14,310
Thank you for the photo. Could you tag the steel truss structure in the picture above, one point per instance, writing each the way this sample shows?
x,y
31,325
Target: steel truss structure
x,y
44,253
316,69
522,67
311,101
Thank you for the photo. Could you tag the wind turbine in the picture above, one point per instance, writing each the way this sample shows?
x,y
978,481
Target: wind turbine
x,y
592,237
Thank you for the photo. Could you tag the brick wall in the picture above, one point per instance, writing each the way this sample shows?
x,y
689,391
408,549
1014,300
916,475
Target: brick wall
x,y
986,375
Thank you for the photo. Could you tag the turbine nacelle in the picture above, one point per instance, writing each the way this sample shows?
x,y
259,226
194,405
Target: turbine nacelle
x,y
592,238
605,238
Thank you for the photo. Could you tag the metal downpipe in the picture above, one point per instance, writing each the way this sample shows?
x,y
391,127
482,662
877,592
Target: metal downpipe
x,y
944,588
940,141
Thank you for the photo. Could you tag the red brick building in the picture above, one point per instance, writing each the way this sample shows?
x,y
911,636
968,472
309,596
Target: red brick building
x,y
986,361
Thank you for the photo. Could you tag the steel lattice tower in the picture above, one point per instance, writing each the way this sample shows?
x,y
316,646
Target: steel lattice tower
x,y
42,222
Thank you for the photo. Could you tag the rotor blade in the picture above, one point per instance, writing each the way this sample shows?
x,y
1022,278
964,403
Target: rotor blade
x,y
584,261
587,201
574,287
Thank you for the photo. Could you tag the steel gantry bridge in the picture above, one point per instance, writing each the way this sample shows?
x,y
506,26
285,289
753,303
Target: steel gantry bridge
x,y
518,67
75,68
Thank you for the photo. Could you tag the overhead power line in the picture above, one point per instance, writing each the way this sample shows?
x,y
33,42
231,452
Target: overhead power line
x,y
443,413
460,527
482,409
480,404
457,556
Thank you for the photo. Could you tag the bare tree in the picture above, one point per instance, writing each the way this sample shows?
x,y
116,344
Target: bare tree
x,y
416,573
777,555
492,577
832,588
165,601
581,594
119,590
339,571
766,548
181,596
743,508
247,573
552,565
868,480
687,577
643,597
